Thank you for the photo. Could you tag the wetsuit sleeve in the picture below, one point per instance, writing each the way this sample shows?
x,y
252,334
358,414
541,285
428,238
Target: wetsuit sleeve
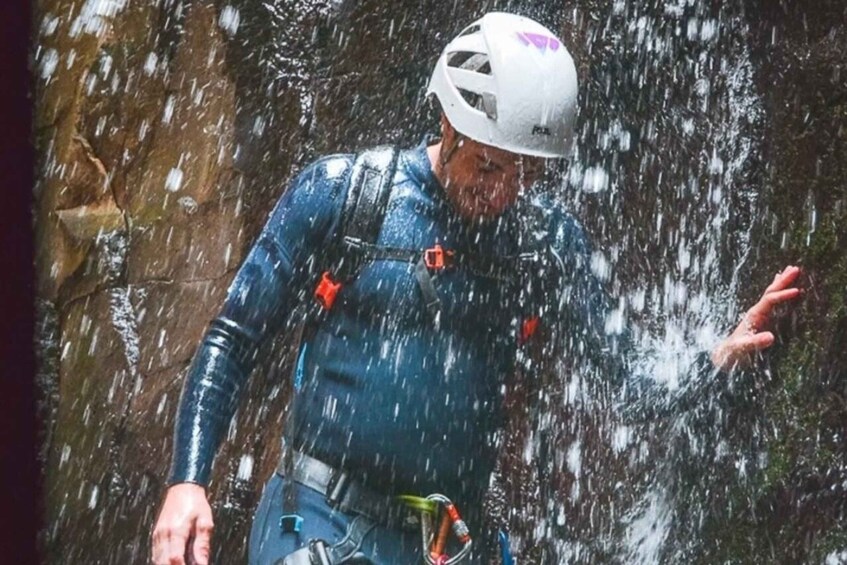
x,y
592,326
268,285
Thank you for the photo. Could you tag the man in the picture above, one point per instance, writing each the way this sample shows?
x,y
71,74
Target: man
x,y
432,267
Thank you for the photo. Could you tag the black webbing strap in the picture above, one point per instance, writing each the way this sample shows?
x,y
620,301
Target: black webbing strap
x,y
427,286
367,198
368,191
368,251
507,269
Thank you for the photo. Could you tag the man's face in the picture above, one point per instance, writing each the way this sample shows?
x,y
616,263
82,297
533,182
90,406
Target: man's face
x,y
482,181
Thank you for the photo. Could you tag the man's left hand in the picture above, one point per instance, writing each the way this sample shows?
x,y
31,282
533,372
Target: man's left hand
x,y
752,333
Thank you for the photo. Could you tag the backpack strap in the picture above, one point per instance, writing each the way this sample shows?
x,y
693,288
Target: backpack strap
x,y
362,215
371,180
539,270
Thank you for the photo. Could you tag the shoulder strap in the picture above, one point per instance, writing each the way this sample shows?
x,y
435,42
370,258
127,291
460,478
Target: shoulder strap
x,y
538,268
367,195
362,215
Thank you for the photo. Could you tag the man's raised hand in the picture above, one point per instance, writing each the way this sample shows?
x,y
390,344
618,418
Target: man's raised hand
x,y
752,334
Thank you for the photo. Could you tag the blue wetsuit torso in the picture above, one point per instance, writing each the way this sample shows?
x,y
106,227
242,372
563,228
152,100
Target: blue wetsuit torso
x,y
386,391
407,405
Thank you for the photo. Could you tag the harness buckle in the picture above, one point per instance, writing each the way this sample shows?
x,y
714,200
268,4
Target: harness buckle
x,y
337,487
353,243
327,290
438,258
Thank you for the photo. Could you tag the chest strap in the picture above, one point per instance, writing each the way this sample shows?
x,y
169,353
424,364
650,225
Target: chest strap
x,y
508,269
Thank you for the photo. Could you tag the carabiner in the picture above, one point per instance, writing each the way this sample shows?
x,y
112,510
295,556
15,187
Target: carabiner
x,y
434,547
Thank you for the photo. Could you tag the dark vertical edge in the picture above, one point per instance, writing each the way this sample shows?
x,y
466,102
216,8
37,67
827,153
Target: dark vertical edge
x,y
20,500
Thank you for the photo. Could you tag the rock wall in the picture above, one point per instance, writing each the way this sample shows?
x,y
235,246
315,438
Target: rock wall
x,y
793,509
165,131
711,152
143,216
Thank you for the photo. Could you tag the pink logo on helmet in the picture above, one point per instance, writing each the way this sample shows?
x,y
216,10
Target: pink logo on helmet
x,y
541,42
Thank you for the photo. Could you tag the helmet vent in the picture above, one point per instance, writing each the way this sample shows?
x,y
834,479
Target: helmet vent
x,y
470,61
473,99
470,29
485,102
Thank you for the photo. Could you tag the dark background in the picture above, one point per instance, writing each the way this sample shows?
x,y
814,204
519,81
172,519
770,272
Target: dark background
x,y
19,522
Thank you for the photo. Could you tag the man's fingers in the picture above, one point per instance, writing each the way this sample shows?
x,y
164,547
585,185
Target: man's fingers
x,y
774,298
202,546
157,554
748,337
738,351
171,547
759,313
756,342
161,545
784,279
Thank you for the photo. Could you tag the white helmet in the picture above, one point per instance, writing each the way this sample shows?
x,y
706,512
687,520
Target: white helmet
x,y
507,81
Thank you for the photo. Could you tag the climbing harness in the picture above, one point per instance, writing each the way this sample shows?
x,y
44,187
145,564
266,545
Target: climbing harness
x,y
435,544
319,552
341,489
342,492
435,508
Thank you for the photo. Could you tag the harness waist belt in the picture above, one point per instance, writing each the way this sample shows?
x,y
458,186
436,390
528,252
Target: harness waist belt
x,y
343,492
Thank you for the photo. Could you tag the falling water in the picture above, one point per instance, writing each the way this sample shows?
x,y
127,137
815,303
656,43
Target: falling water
x,y
167,129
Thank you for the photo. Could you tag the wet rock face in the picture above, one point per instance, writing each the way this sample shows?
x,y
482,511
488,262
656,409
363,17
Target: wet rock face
x,y
801,494
140,216
711,152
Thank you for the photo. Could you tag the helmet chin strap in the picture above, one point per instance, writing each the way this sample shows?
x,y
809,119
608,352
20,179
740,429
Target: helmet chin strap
x,y
445,155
